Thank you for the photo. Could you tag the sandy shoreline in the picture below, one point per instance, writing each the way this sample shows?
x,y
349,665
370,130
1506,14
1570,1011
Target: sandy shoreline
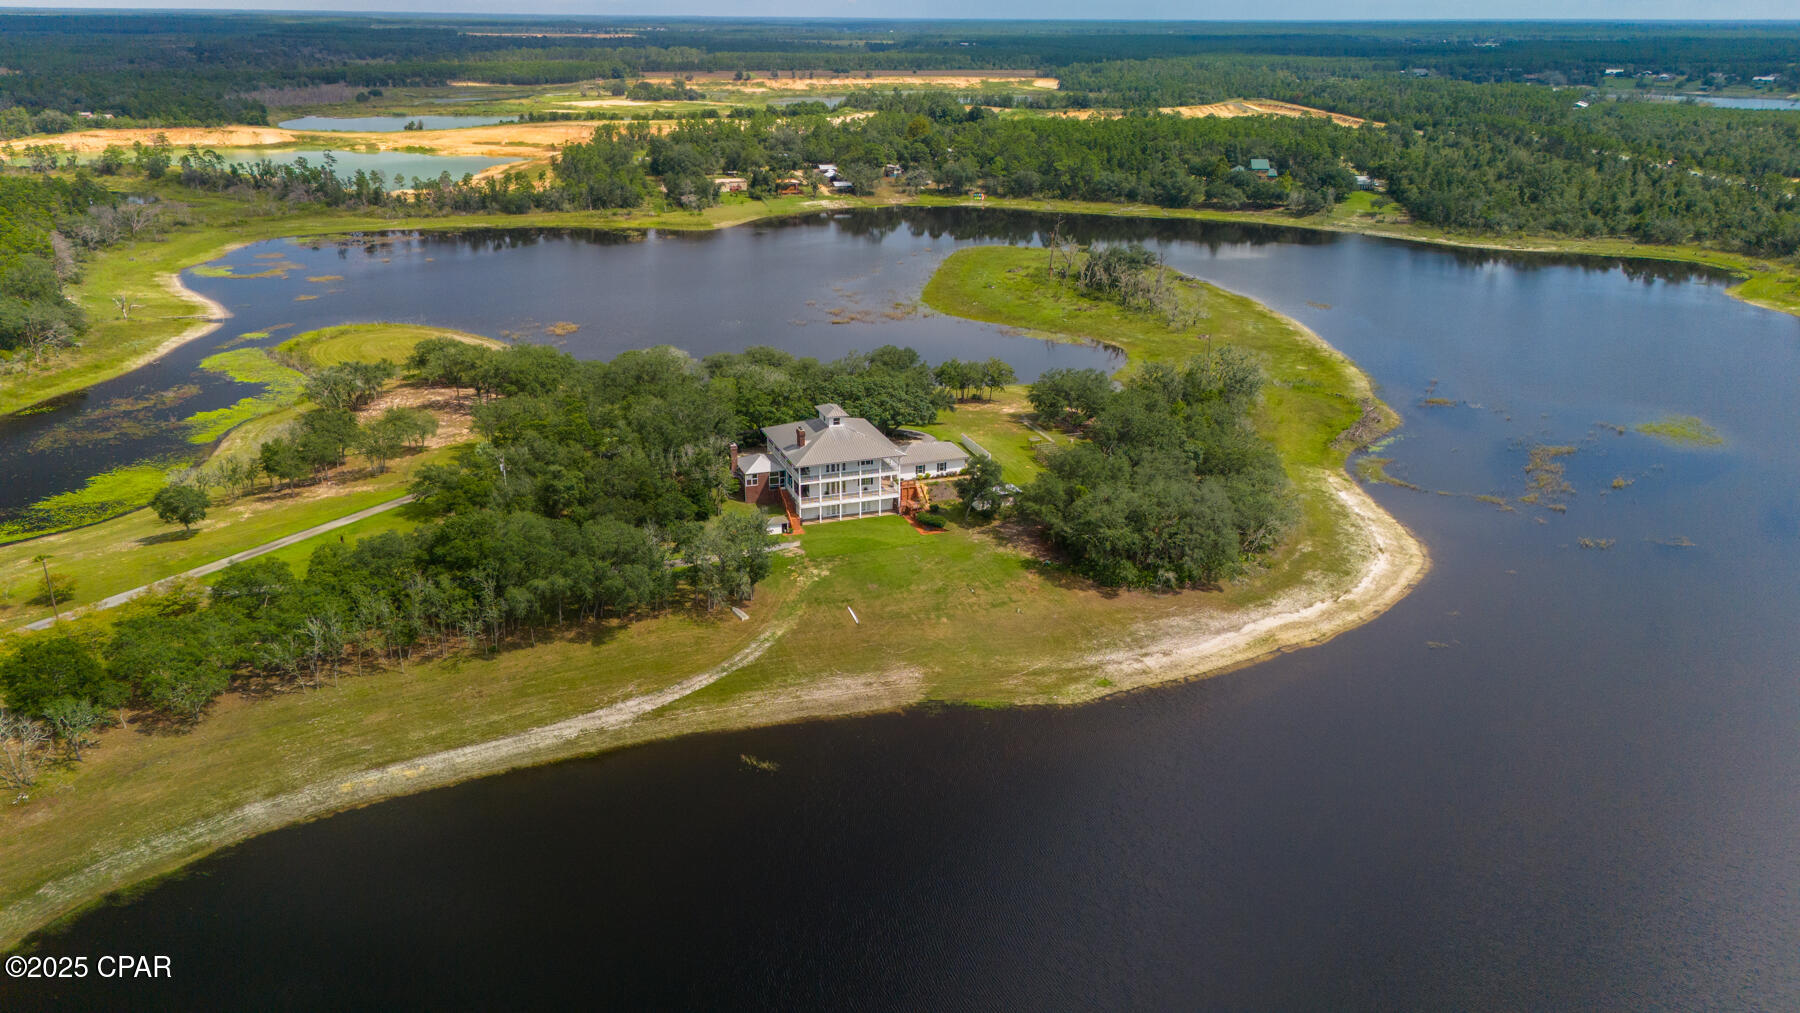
x,y
215,315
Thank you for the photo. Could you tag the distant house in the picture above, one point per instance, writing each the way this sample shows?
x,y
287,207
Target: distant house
x,y
1262,168
1581,104
829,170
891,170
791,186
1614,71
837,466
1766,78
731,184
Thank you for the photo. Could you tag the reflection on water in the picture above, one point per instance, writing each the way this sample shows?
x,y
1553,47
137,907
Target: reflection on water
x,y
1555,776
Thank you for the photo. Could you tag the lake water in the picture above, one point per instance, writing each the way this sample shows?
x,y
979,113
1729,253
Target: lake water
x,y
398,167
1552,777
1737,102
389,124
814,286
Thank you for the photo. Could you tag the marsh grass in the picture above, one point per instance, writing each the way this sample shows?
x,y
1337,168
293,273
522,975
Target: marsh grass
x,y
1545,483
246,365
104,496
1374,469
1682,431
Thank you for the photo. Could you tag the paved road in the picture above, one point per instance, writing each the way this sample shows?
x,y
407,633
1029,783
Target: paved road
x,y
219,564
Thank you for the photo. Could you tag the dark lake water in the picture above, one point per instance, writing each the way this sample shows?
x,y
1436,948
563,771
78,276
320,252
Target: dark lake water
x,y
1551,778
781,284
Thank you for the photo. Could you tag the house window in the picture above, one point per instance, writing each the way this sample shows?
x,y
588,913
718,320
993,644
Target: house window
x,y
943,466
752,479
919,469
832,469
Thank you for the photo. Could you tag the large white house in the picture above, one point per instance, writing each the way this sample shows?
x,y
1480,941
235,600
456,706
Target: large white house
x,y
838,466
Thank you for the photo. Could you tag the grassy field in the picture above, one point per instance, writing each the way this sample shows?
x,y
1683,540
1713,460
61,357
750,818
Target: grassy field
x,y
1312,393
329,346
124,552
1000,427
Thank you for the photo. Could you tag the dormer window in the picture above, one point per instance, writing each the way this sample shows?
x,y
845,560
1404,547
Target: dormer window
x,y
837,420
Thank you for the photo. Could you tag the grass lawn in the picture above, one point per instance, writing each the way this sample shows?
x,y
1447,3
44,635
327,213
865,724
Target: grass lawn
x,y
329,346
296,555
999,426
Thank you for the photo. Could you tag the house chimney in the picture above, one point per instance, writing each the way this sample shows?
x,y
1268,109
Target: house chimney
x,y
733,450
800,436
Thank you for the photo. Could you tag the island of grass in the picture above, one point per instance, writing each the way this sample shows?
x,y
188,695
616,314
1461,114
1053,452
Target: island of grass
x,y
1682,431
975,615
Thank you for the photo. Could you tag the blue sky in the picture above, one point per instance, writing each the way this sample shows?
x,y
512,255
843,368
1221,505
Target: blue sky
x,y
1311,10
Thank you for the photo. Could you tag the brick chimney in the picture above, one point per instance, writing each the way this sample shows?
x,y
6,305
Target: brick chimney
x,y
800,436
733,451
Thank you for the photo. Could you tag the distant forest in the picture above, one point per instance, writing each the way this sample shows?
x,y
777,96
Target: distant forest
x,y
1469,131
200,69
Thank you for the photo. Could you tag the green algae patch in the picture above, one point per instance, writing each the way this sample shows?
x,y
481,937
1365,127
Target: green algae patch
x,y
246,365
1682,431
106,495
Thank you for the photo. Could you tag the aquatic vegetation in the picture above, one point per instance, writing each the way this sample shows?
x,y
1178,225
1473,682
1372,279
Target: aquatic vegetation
x,y
319,279
271,270
1544,471
756,763
245,365
1439,402
1620,481
109,494
1596,543
123,418
1374,469
562,327
1682,431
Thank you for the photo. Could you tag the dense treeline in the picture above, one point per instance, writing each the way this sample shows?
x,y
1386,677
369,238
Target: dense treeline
x,y
192,68
1172,487
1496,158
47,224
594,492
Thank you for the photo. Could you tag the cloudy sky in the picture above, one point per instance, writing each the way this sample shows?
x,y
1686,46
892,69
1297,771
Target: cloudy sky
x,y
1183,9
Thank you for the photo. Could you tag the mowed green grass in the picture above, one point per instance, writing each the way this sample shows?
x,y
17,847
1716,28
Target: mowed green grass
x,y
999,427
329,346
400,519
